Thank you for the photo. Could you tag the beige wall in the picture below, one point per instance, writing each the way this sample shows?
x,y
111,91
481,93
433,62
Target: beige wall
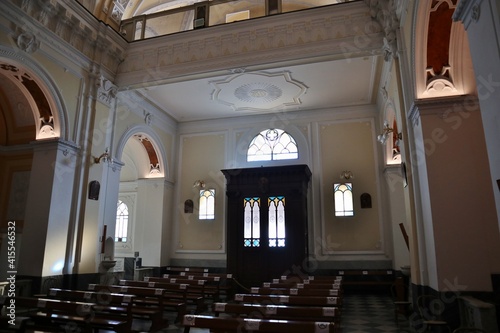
x,y
201,158
349,146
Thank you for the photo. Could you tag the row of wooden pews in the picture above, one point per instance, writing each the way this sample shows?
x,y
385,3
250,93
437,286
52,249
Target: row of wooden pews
x,y
311,304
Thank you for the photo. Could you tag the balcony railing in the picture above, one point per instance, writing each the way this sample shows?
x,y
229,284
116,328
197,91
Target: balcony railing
x,y
210,13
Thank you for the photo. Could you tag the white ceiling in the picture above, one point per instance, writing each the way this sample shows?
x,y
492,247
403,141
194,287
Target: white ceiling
x,y
319,85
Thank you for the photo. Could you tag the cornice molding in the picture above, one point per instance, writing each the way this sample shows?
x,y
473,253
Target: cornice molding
x,y
325,33
80,37
442,107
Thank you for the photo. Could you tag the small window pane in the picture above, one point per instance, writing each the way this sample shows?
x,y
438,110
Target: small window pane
x,y
251,227
121,228
342,195
207,204
276,221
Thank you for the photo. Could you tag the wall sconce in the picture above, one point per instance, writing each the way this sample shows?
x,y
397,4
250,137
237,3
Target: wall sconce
x,y
104,156
382,138
346,174
199,183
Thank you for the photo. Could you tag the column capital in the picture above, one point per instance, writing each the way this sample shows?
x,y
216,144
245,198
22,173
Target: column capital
x,y
467,11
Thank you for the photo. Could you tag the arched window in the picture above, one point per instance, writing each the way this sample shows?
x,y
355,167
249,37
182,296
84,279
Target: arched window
x,y
272,144
121,229
342,196
207,204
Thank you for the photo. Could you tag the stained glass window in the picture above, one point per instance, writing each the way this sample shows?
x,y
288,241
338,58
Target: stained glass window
x,y
251,227
121,228
342,196
276,223
272,144
207,204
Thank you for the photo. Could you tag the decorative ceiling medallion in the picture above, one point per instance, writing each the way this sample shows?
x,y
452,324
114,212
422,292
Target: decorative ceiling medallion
x,y
258,91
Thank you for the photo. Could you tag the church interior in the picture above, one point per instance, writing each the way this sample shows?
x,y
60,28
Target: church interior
x,y
261,140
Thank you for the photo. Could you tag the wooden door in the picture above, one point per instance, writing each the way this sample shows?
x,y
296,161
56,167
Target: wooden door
x,y
266,221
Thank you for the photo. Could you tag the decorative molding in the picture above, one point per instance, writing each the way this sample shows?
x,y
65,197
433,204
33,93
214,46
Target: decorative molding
x,y
442,107
467,11
81,37
476,12
385,12
325,33
106,91
258,91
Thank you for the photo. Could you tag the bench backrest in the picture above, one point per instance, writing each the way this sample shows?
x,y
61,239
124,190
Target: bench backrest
x,y
98,297
315,285
177,269
49,306
311,313
132,290
296,291
288,300
256,325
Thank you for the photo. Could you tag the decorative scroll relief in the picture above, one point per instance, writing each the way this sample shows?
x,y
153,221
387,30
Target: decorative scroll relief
x,y
47,128
106,91
439,85
27,42
385,13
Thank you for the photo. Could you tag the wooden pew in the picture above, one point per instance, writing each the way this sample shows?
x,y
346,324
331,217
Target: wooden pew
x,y
226,285
282,312
382,278
309,279
296,291
153,297
51,315
178,269
302,285
208,287
288,300
114,303
186,293
217,324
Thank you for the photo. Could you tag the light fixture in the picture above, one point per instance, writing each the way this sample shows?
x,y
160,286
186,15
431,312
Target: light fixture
x,y
346,174
382,138
199,183
104,156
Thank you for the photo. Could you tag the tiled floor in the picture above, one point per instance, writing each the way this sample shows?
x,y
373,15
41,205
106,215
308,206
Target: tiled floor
x,y
365,313
362,313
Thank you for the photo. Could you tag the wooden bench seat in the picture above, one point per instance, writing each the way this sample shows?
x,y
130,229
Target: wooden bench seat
x,y
114,303
50,315
208,287
289,312
151,297
218,324
226,285
178,269
367,279
315,285
296,291
288,300
173,292
309,279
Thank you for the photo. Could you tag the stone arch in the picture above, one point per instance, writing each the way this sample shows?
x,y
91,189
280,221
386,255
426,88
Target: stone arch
x,y
154,149
444,68
41,92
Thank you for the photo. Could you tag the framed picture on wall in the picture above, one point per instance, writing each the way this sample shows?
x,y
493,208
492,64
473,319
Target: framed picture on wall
x,y
403,174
